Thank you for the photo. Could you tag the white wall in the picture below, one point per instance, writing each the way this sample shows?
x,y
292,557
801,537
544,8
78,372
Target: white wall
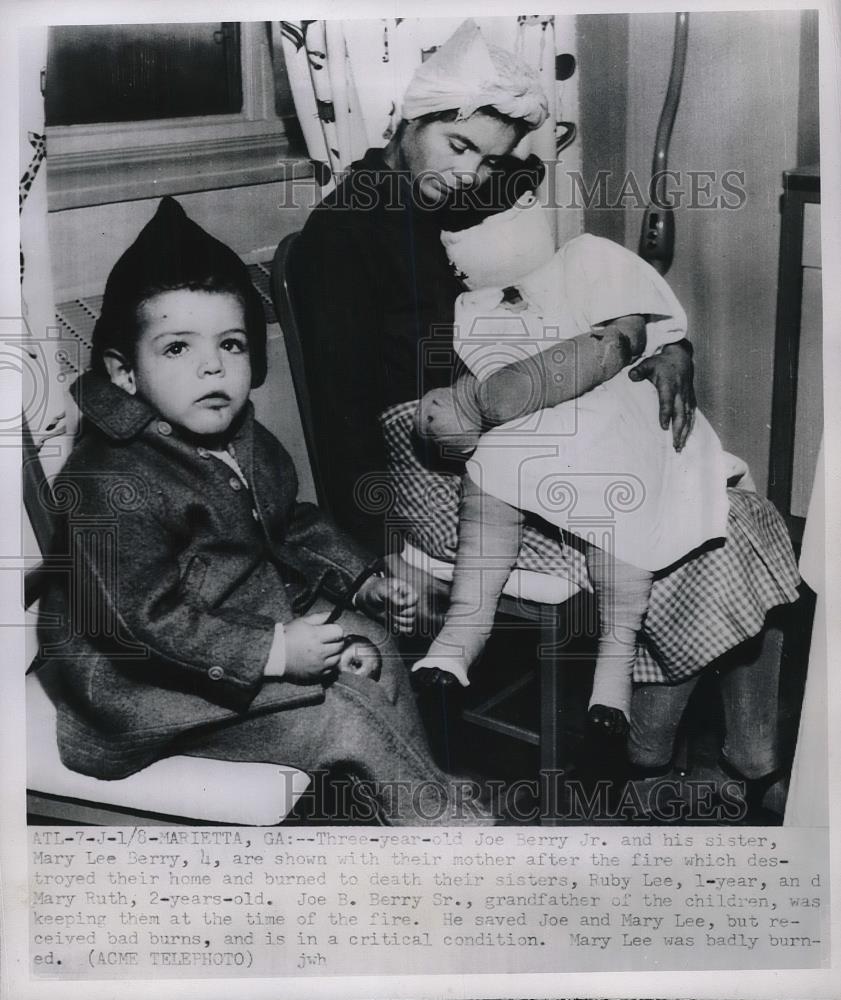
x,y
738,111
277,408
86,242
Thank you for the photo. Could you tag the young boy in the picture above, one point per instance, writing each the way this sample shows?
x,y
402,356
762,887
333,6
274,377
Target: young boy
x,y
595,463
194,617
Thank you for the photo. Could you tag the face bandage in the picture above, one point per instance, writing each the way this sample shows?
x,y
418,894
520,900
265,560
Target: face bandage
x,y
467,73
504,248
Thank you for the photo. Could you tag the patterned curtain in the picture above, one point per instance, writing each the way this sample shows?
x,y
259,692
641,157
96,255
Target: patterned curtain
x,y
348,77
32,192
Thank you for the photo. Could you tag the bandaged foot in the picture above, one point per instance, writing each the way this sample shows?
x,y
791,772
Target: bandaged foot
x,y
622,593
489,540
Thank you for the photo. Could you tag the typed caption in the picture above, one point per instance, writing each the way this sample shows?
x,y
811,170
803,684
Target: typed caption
x,y
139,902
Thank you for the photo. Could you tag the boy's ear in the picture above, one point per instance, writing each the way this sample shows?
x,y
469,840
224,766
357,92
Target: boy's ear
x,y
119,370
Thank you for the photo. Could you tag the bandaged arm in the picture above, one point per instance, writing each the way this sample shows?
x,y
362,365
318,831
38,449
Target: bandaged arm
x,y
561,372
624,308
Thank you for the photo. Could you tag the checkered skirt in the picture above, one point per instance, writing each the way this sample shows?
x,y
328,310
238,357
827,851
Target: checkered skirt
x,y
697,611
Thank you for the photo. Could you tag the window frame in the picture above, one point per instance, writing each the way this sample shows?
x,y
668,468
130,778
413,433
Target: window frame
x,y
123,161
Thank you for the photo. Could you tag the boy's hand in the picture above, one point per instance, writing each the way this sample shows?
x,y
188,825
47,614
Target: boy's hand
x,y
312,650
671,372
380,596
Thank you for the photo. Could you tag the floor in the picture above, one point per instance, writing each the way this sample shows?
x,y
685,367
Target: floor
x,y
597,790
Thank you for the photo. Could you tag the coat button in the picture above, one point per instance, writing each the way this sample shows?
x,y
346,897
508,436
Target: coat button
x,y
235,484
216,673
164,428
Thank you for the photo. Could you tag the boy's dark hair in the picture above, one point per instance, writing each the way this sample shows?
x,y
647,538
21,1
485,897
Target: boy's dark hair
x,y
173,253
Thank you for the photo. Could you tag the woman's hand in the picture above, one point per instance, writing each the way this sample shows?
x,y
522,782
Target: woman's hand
x,y
380,596
671,372
313,649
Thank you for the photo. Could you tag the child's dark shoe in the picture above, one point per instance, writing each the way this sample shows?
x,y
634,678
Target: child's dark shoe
x,y
603,721
604,756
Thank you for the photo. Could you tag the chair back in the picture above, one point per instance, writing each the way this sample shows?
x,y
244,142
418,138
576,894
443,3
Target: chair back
x,y
283,298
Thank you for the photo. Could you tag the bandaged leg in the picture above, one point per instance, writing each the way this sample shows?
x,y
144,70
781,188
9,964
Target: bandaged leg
x,y
488,544
622,593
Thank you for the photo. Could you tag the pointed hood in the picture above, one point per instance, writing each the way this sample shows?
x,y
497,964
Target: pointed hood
x,y
173,252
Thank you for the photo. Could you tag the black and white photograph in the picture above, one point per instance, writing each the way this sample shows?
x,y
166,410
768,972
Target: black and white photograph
x,y
419,561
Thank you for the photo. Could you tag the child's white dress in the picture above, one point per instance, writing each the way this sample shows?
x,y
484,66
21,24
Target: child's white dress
x,y
599,466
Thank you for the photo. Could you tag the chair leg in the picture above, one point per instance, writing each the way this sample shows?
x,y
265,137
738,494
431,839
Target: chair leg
x,y
551,735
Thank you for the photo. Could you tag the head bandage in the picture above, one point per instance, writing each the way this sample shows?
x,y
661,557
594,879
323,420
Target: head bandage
x,y
467,73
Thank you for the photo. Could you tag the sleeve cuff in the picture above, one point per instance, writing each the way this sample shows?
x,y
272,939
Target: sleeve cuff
x,y
374,569
276,662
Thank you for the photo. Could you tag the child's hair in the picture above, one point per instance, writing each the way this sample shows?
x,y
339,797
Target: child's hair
x,y
173,253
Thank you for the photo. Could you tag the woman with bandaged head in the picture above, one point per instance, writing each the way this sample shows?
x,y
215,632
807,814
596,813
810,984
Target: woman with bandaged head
x,y
376,296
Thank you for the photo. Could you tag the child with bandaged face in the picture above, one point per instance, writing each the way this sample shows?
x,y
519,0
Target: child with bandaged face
x,y
565,435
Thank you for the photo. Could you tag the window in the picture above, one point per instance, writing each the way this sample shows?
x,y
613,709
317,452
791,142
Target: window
x,y
130,72
134,111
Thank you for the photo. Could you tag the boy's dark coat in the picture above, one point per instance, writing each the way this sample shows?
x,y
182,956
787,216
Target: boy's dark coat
x,y
164,616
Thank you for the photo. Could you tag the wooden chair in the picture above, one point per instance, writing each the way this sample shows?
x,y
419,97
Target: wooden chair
x,y
177,789
519,601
